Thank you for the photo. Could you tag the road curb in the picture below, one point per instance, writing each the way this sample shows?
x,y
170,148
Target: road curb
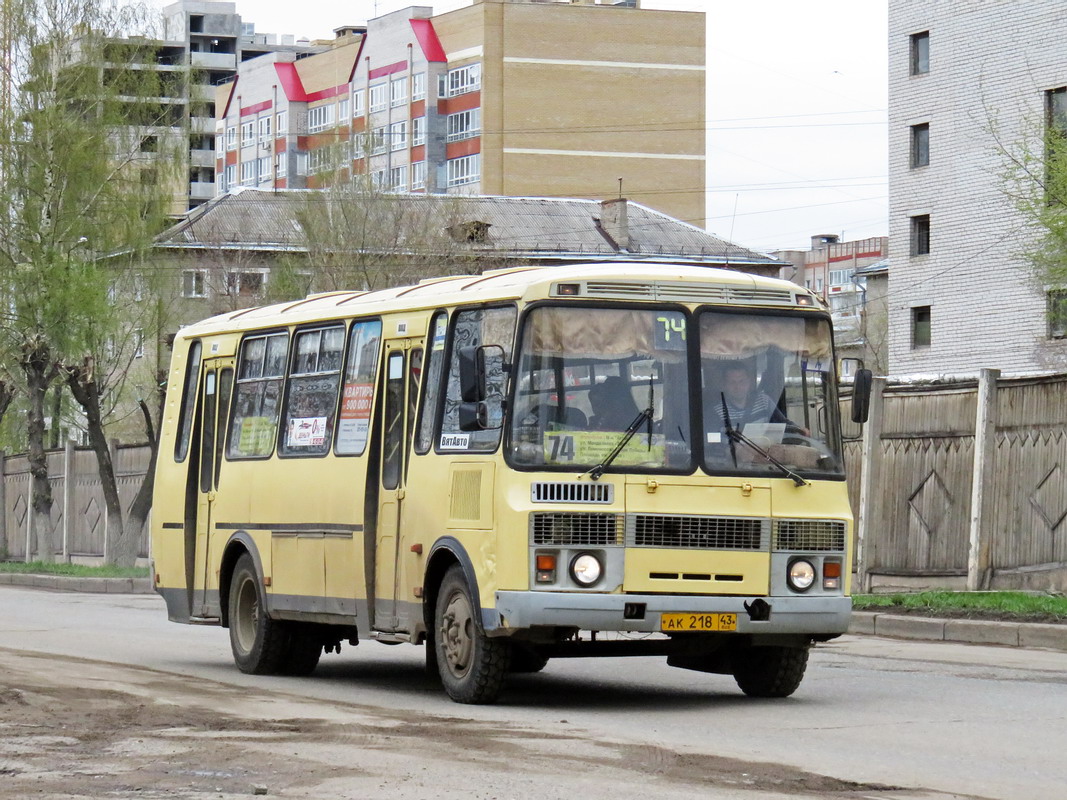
x,y
967,631
69,583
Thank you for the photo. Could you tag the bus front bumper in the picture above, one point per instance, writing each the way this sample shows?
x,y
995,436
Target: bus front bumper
x,y
815,615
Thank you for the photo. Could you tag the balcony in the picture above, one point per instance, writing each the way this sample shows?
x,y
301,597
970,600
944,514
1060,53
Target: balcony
x,y
213,60
201,190
202,158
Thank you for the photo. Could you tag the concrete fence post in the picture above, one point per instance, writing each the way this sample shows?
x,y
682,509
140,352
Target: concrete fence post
x,y
985,455
870,486
68,496
4,549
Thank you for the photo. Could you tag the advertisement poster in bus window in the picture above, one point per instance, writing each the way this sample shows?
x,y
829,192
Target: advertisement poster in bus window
x,y
356,400
440,328
306,432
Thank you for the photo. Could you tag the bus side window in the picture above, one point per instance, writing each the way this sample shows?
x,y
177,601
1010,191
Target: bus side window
x,y
357,397
311,395
257,396
185,421
490,326
435,361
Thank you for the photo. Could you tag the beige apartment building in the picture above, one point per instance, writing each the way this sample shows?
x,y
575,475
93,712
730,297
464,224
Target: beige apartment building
x,y
516,98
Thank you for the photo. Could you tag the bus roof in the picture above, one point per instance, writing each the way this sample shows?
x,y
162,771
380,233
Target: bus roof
x,y
651,281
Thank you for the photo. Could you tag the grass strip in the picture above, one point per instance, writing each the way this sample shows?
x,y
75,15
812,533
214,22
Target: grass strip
x,y
1020,603
72,570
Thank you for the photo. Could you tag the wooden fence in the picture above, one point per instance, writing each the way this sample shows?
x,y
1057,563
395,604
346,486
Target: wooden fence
x,y
962,484
82,533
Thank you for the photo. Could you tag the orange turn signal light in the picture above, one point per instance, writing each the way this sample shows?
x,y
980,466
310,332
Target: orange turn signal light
x,y
545,562
831,569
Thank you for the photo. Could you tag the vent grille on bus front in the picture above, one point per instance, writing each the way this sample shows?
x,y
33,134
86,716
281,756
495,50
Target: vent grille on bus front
x,y
582,530
821,535
706,533
571,492
691,292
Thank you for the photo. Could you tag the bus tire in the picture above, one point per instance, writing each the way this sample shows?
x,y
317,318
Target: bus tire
x,y
305,648
259,644
771,671
472,665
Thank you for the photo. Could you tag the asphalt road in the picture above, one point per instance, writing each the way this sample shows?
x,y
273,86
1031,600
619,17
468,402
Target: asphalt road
x,y
898,719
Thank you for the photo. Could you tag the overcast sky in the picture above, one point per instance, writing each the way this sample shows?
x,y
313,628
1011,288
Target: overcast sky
x,y
796,108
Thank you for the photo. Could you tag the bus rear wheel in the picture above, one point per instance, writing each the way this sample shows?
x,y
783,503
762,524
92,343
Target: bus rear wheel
x,y
771,671
260,645
472,665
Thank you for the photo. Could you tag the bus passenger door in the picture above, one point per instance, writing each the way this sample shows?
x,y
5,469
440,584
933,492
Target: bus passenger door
x,y
215,385
403,369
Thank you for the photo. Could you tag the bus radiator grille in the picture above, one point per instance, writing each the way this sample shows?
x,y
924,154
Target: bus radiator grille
x,y
697,532
572,492
819,535
576,529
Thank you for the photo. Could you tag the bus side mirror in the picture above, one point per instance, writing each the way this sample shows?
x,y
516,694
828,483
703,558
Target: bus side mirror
x,y
861,395
481,383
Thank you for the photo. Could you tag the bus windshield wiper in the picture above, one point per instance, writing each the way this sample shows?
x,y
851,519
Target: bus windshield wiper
x,y
628,434
735,435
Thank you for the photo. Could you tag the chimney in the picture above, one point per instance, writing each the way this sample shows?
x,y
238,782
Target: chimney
x,y
613,221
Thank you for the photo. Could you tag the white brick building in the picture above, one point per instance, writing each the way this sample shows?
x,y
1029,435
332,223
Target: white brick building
x,y
962,76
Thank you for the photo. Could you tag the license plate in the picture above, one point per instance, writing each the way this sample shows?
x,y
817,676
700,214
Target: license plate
x,y
698,622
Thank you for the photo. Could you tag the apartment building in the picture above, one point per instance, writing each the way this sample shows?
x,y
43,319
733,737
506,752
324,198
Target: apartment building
x,y
205,40
498,98
966,82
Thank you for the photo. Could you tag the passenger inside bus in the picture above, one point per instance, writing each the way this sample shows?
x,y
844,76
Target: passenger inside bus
x,y
613,405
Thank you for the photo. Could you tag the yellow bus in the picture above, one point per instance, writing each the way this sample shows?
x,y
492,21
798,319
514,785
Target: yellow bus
x,y
527,464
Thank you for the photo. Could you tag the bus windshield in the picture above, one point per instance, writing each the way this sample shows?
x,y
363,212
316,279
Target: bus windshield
x,y
770,379
586,374
762,395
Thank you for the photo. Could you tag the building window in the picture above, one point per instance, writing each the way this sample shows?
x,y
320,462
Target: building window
x,y
219,144
138,343
321,117
282,121
378,98
398,178
264,129
464,79
398,91
418,131
378,179
231,138
264,169
281,166
920,53
358,103
920,145
378,140
418,175
398,136
464,170
319,160
248,173
920,326
344,108
231,175
248,133
245,284
193,283
464,125
840,277
1056,308
418,86
920,235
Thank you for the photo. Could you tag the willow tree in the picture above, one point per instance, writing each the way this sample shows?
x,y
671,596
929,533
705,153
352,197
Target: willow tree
x,y
85,156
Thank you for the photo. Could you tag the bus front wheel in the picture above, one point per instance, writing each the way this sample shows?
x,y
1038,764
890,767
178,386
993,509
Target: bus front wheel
x,y
770,671
472,665
260,645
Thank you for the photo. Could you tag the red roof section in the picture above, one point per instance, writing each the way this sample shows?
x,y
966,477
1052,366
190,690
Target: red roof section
x,y
291,83
428,41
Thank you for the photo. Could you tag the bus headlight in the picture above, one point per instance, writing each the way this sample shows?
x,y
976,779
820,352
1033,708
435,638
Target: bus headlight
x,y
586,569
801,574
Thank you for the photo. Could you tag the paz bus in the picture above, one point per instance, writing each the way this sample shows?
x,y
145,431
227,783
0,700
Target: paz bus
x,y
511,467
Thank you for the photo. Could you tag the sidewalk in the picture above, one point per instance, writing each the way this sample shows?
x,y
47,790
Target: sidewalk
x,y
968,631
66,583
